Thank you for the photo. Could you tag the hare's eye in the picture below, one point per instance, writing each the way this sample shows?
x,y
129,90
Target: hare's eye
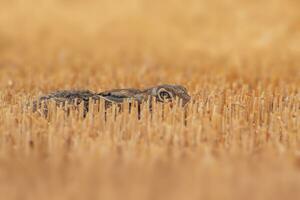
x,y
165,95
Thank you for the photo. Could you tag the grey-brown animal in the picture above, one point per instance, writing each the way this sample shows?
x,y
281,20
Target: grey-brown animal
x,y
161,93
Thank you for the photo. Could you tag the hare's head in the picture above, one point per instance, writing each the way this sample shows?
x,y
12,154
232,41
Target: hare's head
x,y
168,93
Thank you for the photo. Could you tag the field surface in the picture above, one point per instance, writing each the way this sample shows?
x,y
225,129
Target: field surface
x,y
238,59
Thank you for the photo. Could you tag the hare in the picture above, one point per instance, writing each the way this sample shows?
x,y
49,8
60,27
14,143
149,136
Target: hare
x,y
161,93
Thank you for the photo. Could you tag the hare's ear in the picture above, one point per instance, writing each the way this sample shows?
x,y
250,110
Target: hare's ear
x,y
164,95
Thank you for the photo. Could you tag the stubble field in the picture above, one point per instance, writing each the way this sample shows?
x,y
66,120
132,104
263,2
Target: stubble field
x,y
238,59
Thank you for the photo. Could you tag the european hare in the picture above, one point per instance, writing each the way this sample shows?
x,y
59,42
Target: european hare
x,y
161,93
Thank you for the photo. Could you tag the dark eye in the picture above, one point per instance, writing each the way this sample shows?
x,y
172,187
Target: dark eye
x,y
165,95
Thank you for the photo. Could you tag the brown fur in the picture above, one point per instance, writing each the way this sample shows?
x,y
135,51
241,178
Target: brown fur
x,y
161,93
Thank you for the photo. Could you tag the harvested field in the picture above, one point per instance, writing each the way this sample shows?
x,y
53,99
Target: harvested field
x,y
239,60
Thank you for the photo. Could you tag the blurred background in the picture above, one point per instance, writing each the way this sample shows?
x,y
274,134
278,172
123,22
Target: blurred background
x,y
144,42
